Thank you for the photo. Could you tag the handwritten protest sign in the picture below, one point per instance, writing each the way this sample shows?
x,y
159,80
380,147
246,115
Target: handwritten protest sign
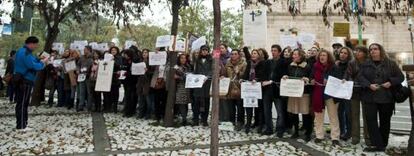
x,y
195,81
292,87
104,77
250,90
138,68
157,58
336,88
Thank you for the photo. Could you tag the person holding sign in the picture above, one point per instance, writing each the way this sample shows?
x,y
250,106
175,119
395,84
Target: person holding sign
x,y
255,72
111,98
145,107
324,67
182,94
344,108
130,83
300,69
70,59
201,106
378,77
84,66
235,70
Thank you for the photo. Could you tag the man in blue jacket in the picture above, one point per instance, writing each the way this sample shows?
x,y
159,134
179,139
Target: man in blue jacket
x,y
25,68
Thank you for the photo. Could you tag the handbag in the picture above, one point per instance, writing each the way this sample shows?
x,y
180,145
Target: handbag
x,y
400,93
7,78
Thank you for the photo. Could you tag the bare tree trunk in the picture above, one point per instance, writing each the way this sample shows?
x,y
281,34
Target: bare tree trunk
x,y
214,145
169,108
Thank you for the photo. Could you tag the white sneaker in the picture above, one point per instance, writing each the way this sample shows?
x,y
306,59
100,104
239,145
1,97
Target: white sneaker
x,y
27,129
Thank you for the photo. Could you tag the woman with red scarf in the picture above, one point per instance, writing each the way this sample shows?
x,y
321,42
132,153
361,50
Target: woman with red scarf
x,y
322,69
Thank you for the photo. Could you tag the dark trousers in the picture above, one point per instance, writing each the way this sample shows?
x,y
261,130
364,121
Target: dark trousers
x,y
111,99
130,100
69,100
267,109
23,92
201,108
183,110
236,110
307,122
282,115
224,111
344,116
378,133
160,100
259,115
97,98
61,92
11,92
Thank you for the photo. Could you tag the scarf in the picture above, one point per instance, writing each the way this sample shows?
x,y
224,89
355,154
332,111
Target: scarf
x,y
317,96
252,74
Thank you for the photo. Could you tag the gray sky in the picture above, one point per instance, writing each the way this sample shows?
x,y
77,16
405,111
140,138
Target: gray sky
x,y
158,15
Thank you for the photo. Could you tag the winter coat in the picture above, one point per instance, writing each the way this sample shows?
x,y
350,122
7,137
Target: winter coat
x,y
372,73
278,68
299,71
235,72
182,93
204,68
143,82
351,75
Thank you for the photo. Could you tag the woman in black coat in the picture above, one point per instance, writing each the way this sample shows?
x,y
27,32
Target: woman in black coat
x,y
130,83
377,77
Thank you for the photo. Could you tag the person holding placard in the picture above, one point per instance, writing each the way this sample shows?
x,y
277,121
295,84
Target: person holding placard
x,y
378,77
278,67
235,70
201,106
96,95
351,75
324,67
287,54
51,79
130,83
344,108
255,72
70,58
84,65
111,98
182,98
300,69
159,89
146,97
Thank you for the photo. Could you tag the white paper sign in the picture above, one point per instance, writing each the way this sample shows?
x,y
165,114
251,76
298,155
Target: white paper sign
x,y
108,57
307,40
196,45
250,103
57,63
251,90
122,75
81,77
104,77
224,86
45,55
163,41
195,81
255,28
138,68
289,40
157,58
292,87
70,66
180,46
94,45
103,47
58,47
161,71
335,88
130,43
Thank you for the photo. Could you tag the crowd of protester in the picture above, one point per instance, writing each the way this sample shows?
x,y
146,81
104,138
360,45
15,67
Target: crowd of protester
x,y
145,96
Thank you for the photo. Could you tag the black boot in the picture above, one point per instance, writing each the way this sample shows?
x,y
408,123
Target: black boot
x,y
295,133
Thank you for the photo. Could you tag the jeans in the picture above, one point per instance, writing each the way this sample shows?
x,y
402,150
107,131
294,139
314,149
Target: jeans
x,y
267,109
111,99
70,97
344,112
23,92
82,94
146,106
281,109
61,92
160,100
378,132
